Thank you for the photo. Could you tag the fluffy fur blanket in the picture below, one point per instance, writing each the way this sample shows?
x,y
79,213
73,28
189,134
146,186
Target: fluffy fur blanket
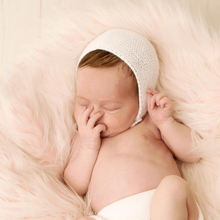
x,y
37,93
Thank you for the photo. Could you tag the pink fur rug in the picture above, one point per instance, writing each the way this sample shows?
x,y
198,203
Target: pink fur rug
x,y
36,103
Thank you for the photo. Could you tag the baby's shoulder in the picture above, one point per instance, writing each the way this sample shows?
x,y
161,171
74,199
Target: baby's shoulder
x,y
149,129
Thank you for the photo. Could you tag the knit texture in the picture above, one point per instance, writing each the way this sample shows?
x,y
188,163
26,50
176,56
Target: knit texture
x,y
138,53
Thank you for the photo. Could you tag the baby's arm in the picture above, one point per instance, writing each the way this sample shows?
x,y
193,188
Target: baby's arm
x,y
79,169
176,136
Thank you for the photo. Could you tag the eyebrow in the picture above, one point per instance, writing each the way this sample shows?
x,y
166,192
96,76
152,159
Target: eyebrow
x,y
79,97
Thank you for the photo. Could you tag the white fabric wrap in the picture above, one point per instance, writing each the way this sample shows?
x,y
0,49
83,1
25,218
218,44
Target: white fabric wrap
x,y
138,53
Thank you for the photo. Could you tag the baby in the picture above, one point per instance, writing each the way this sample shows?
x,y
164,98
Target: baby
x,y
123,153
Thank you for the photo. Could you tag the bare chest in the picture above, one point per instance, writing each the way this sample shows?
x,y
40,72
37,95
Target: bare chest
x,y
127,165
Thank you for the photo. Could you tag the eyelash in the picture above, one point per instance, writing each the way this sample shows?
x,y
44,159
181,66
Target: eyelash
x,y
106,109
111,110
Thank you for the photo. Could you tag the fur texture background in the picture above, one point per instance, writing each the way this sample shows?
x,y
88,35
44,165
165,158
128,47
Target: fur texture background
x,y
37,93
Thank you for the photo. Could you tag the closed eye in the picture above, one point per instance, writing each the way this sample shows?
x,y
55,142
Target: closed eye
x,y
82,102
111,108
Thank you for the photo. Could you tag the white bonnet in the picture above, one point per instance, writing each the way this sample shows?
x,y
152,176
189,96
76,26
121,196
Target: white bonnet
x,y
138,53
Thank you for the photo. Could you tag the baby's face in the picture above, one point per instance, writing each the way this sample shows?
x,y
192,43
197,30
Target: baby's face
x,y
110,91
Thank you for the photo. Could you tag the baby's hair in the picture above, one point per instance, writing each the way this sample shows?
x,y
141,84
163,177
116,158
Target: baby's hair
x,y
105,59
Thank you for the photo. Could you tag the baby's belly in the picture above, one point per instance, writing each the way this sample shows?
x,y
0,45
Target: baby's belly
x,y
121,175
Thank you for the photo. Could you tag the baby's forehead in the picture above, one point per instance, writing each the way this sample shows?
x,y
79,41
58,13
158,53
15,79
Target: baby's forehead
x,y
120,71
119,79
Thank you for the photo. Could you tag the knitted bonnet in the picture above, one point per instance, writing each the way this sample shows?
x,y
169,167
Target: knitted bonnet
x,y
138,53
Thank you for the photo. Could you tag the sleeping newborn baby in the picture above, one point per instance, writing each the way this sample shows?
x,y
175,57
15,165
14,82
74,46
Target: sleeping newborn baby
x,y
124,149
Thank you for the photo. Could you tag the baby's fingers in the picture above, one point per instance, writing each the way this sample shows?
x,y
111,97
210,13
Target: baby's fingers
x,y
92,121
164,102
152,101
160,96
99,128
84,117
151,91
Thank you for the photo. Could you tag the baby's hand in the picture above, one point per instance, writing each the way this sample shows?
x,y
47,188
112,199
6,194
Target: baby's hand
x,y
160,107
89,132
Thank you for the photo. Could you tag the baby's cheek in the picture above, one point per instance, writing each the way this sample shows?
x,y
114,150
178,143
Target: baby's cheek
x,y
110,120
